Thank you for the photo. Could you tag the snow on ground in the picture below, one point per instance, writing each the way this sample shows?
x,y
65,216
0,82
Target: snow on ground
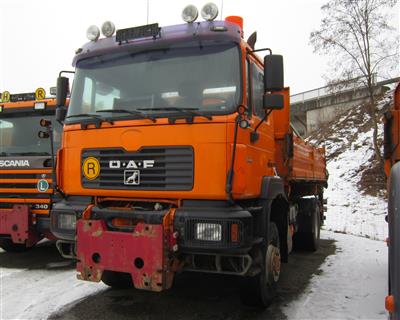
x,y
349,148
352,283
350,211
36,293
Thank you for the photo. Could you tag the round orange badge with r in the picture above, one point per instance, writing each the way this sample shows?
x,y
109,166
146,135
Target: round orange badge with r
x,y
91,168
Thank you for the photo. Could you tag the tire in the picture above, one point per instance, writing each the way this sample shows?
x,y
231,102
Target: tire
x,y
309,226
9,246
117,280
259,291
312,243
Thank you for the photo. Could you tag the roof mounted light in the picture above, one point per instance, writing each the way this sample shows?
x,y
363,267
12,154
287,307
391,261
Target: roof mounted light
x,y
210,11
93,33
190,13
108,29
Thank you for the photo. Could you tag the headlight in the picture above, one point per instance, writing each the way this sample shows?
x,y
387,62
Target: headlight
x,y
93,33
208,231
209,12
66,221
108,29
190,13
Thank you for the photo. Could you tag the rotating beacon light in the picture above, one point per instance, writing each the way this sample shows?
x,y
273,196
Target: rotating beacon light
x,y
190,13
108,29
236,20
209,11
93,33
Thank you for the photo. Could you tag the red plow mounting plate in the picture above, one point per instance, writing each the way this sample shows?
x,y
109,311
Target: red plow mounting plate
x,y
17,224
140,253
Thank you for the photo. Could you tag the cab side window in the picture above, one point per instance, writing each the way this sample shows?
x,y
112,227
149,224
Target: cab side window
x,y
257,78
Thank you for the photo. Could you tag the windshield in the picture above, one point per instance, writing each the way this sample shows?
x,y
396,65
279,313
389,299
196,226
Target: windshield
x,y
203,78
19,135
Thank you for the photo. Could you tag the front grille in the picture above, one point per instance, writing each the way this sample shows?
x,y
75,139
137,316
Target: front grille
x,y
20,176
18,185
226,241
150,168
24,188
17,195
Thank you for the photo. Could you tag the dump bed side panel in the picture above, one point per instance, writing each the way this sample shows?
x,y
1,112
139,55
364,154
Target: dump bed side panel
x,y
308,162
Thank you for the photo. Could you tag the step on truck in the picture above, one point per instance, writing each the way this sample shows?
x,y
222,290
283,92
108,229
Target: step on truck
x,y
26,173
392,169
178,155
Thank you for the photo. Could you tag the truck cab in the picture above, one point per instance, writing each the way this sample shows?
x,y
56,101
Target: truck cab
x,y
178,155
26,184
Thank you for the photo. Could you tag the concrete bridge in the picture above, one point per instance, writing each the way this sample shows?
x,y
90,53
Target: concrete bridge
x,y
312,108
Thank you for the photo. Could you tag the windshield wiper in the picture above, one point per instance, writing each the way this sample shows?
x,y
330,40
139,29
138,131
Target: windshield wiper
x,y
98,119
94,116
4,154
135,113
191,112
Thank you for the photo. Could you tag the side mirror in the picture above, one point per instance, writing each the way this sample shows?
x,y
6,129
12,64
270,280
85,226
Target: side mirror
x,y
61,112
273,72
273,101
62,91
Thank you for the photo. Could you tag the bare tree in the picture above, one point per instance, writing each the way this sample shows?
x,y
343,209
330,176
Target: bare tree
x,y
360,43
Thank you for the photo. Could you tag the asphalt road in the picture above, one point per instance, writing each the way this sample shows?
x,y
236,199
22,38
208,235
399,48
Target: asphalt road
x,y
198,296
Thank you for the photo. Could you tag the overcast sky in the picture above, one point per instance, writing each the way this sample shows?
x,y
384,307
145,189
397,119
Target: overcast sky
x,y
38,38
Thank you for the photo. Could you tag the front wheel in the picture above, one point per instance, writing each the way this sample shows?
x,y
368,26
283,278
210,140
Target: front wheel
x,y
9,246
260,290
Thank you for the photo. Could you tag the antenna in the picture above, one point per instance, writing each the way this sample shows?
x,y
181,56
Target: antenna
x,y
222,8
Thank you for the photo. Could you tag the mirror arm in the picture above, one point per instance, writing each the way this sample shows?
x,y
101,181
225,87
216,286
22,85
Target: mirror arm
x,y
65,71
254,135
264,49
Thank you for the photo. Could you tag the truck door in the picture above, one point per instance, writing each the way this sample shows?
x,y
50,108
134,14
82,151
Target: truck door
x,y
261,149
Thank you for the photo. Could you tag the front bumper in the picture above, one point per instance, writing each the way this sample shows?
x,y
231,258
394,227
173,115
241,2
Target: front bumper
x,y
18,225
141,253
161,243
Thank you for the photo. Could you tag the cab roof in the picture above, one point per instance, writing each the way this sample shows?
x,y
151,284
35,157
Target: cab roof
x,y
196,32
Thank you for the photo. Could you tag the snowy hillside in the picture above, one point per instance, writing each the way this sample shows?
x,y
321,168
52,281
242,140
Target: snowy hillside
x,y
356,191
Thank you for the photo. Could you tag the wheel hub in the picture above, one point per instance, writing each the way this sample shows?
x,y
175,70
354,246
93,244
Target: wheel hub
x,y
273,263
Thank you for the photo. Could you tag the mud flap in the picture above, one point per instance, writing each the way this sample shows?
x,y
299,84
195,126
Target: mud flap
x,y
142,253
18,224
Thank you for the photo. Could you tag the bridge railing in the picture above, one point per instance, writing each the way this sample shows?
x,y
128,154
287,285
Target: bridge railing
x,y
318,93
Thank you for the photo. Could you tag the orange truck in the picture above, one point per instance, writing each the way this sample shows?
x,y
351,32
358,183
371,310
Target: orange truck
x,y
25,169
178,155
392,169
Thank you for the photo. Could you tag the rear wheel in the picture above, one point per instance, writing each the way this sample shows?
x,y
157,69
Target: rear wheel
x,y
117,280
260,290
9,246
309,225
314,235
